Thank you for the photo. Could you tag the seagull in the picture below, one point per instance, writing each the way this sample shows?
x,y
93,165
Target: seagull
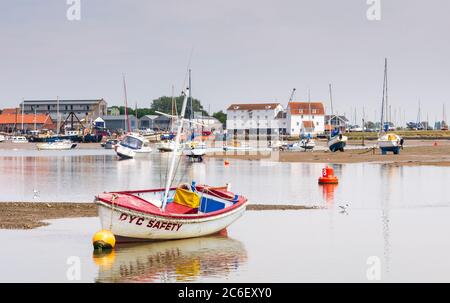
x,y
343,209
35,194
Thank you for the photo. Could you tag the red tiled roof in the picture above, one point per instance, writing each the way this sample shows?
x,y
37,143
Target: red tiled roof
x,y
10,110
302,108
27,119
253,106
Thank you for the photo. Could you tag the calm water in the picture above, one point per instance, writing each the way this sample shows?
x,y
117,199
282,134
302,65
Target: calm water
x,y
399,215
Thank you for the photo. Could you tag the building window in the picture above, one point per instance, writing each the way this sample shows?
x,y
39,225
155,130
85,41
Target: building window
x,y
313,117
267,117
317,123
257,117
298,123
302,116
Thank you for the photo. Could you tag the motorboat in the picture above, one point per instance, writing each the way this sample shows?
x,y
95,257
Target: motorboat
x,y
56,145
19,139
133,146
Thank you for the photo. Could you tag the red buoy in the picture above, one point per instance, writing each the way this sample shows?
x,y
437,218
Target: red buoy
x,y
328,176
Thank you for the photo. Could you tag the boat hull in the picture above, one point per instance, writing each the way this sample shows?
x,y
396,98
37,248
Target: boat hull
x,y
390,143
128,153
56,146
130,224
337,143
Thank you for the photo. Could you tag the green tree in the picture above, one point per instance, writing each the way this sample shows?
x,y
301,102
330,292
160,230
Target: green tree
x,y
221,116
164,104
140,111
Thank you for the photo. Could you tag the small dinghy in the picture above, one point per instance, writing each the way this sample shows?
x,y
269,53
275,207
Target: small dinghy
x,y
57,145
191,211
186,211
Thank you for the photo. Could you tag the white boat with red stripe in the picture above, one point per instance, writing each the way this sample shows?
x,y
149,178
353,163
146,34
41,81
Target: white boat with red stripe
x,y
186,211
137,215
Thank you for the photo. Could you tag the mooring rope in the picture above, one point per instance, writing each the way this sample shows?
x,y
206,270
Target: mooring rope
x,y
114,197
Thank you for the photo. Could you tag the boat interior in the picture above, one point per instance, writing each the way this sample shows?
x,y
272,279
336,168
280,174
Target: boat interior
x,y
185,199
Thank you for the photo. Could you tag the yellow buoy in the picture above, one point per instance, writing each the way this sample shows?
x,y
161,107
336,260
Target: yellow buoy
x,y
104,239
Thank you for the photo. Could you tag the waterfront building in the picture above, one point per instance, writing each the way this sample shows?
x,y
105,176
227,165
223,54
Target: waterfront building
x,y
87,110
305,117
254,118
10,122
119,123
336,121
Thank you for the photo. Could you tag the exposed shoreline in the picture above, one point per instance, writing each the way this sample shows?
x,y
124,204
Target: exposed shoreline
x,y
30,215
424,154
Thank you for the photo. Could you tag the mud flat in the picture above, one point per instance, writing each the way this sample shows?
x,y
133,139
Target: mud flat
x,y
30,215
419,153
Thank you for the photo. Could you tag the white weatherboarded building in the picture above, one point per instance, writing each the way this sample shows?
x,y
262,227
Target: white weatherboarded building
x,y
255,118
305,117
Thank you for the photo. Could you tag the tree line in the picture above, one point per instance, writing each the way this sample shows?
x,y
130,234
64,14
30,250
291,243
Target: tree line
x,y
164,104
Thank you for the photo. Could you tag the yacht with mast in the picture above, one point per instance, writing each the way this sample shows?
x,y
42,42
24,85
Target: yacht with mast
x,y
336,141
168,145
387,142
174,212
194,149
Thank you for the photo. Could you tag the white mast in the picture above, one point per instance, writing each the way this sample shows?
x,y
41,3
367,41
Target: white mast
x,y
174,154
23,101
57,115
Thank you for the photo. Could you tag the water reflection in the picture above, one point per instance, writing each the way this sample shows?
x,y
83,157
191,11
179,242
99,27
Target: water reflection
x,y
172,261
328,193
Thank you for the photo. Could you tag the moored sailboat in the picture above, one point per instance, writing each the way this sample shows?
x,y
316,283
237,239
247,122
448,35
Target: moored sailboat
x,y
336,141
186,211
387,142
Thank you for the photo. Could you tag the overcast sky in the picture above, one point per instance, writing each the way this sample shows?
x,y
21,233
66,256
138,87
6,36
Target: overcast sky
x,y
243,51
